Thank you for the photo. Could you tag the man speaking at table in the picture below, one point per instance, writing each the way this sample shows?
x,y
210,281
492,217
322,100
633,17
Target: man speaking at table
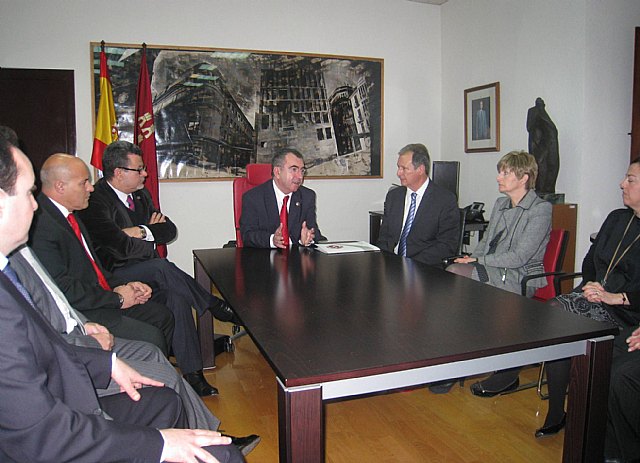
x,y
280,212
49,408
421,219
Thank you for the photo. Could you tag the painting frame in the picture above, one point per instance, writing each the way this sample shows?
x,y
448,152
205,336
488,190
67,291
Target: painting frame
x,y
336,121
482,118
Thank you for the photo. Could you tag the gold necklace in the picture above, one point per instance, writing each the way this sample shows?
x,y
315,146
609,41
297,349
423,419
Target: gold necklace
x,y
613,265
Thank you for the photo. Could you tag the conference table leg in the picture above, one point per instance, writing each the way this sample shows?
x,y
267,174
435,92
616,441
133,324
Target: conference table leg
x,y
204,323
587,405
300,424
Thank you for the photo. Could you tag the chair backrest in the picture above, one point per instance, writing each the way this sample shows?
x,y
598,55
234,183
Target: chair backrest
x,y
256,175
463,221
553,260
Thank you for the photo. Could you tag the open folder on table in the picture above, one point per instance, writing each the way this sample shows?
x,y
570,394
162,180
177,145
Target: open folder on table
x,y
341,247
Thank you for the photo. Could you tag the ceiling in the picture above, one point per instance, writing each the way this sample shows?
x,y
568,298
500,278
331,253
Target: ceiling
x,y
433,2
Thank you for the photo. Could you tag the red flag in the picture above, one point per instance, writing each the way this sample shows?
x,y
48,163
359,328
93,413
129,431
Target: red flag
x,y
106,122
144,134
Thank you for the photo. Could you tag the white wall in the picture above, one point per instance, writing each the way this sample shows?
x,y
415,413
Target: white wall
x,y
56,34
575,54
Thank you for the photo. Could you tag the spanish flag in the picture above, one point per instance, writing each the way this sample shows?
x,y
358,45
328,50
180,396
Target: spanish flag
x,y
106,130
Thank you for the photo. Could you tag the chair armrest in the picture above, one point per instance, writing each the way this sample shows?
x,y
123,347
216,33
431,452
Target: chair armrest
x,y
526,278
566,276
558,277
449,260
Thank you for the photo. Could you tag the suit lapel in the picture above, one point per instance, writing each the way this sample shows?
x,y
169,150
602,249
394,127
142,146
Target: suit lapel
x,y
124,219
396,218
295,214
424,203
40,295
271,204
61,220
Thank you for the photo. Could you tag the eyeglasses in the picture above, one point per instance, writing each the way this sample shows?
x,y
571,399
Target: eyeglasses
x,y
139,169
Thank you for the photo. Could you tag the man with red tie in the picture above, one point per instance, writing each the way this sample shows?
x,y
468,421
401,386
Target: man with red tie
x,y
129,309
280,212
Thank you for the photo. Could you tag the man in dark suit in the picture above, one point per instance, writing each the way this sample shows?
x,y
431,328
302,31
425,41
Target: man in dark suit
x,y
49,408
142,356
265,223
421,220
125,228
125,308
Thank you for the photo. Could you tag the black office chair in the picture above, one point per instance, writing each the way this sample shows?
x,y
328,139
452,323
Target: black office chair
x,y
463,234
461,241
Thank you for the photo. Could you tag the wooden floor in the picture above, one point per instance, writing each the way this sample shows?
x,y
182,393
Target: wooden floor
x,y
411,426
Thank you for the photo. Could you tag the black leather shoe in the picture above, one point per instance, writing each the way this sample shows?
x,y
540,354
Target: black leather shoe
x,y
245,444
199,384
224,313
442,387
551,430
477,389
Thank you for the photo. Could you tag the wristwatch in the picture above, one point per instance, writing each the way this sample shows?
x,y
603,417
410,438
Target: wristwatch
x,y
143,232
121,298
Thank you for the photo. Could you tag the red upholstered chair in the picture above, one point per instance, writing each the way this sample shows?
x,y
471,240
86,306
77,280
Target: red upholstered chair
x,y
552,262
256,175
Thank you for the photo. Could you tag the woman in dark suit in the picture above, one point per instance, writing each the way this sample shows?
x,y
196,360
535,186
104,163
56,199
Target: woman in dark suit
x,y
609,291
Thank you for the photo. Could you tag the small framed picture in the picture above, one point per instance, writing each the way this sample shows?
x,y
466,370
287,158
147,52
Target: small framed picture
x,y
482,118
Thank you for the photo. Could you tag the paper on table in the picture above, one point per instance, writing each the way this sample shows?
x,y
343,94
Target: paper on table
x,y
341,247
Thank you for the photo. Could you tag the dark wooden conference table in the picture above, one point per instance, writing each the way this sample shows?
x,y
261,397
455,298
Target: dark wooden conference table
x,y
335,326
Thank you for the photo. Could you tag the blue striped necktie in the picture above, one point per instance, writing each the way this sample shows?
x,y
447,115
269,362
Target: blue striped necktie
x,y
402,247
11,275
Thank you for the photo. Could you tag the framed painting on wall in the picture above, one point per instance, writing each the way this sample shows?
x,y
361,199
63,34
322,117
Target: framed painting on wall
x,y
482,118
216,110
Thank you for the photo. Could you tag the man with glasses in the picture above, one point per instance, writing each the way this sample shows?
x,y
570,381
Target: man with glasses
x,y
280,212
125,228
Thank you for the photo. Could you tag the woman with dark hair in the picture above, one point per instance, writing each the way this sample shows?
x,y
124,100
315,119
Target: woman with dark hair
x,y
609,291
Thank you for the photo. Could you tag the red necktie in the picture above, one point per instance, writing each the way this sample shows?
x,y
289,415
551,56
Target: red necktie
x,y
284,221
130,203
76,228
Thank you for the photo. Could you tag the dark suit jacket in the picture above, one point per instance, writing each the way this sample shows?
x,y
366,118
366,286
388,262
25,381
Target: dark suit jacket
x,y
436,227
105,218
64,257
45,303
49,407
260,215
